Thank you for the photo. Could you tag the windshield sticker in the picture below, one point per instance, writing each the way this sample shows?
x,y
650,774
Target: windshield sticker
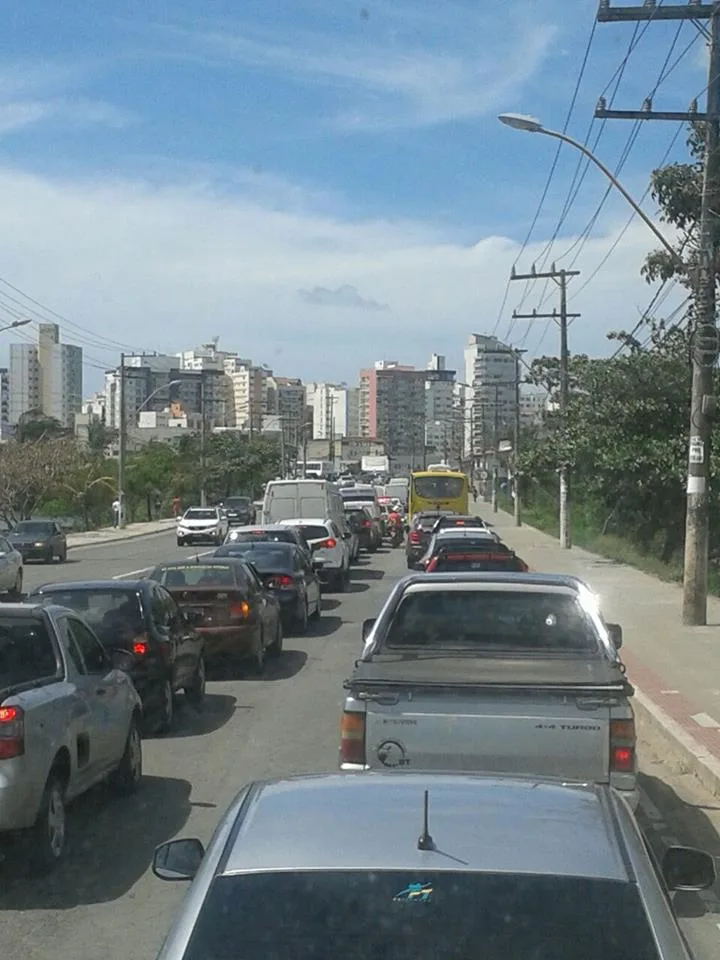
x,y
415,893
390,753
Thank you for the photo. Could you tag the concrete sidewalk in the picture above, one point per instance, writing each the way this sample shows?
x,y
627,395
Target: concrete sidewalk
x,y
675,669
90,538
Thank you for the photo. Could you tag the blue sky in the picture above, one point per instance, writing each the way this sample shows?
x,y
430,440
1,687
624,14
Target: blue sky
x,y
320,183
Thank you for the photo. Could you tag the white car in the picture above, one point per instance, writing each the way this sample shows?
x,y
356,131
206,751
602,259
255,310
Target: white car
x,y
328,544
202,525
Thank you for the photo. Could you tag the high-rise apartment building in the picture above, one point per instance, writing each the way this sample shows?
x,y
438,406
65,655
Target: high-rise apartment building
x,y
440,414
392,409
329,403
5,430
45,377
249,384
491,368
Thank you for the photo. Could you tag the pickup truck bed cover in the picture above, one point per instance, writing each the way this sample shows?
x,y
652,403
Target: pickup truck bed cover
x,y
471,671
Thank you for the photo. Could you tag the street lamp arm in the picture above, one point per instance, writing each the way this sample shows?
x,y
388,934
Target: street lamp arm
x,y
165,386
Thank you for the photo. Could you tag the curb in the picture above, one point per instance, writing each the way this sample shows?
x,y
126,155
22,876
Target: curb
x,y
128,536
679,747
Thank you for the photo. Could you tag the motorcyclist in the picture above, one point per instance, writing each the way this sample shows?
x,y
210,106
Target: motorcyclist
x,y
395,523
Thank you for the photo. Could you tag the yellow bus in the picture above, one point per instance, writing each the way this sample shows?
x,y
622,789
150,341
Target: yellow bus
x,y
438,490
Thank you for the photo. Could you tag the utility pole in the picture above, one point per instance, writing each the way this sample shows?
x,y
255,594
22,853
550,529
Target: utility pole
x,y
562,319
517,506
496,439
121,443
203,429
704,333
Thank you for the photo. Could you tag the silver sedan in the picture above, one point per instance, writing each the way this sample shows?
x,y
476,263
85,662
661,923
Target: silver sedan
x,y
11,570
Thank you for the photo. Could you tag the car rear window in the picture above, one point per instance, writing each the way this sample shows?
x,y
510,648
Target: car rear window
x,y
408,915
113,614
260,536
27,652
267,557
493,622
310,532
238,503
33,528
196,575
478,561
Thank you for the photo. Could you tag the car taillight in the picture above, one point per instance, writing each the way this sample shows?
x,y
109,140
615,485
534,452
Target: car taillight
x,y
414,536
352,738
12,732
622,746
329,543
367,523
140,648
281,582
240,610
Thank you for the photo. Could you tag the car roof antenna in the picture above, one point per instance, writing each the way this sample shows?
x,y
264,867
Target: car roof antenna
x,y
425,841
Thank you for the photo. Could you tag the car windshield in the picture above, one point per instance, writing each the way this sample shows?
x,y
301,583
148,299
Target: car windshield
x,y
439,488
408,915
493,622
114,614
26,651
237,503
195,575
200,515
33,528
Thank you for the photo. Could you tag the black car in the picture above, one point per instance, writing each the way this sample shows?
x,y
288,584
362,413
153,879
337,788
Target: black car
x,y
285,570
39,540
420,533
239,510
268,534
140,616
361,522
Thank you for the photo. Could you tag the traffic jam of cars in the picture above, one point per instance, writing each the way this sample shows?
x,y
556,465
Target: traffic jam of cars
x,y
487,750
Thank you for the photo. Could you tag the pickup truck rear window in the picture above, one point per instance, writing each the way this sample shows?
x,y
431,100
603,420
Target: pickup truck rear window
x,y
493,622
404,915
27,651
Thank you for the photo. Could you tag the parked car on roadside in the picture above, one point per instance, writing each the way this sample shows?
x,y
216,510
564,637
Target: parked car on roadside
x,y
331,545
432,867
141,617
69,719
202,525
39,540
11,570
288,572
236,615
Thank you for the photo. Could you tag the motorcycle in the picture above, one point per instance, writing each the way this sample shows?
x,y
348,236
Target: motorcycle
x,y
397,535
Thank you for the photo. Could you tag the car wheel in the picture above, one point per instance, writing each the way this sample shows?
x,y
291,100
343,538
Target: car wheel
x,y
167,709
195,692
180,543
126,778
16,592
49,834
63,555
258,658
341,582
275,648
315,615
301,621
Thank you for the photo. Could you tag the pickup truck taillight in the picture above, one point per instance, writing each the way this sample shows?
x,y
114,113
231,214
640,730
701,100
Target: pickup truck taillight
x,y
622,746
352,737
12,732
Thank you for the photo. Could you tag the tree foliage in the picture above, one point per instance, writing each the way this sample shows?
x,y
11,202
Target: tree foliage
x,y
31,472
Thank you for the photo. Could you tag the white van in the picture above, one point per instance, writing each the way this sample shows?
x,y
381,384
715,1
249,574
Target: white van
x,y
303,500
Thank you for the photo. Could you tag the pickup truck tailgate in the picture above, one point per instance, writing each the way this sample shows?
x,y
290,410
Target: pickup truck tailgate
x,y
543,733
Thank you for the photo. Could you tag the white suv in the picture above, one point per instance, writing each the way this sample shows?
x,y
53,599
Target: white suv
x,y
202,525
329,544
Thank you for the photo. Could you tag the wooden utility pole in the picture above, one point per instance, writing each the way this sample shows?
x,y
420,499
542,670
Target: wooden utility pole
x,y
704,331
562,319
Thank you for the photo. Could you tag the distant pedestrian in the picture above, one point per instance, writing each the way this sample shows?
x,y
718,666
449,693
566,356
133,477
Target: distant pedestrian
x,y
474,493
116,513
158,505
176,506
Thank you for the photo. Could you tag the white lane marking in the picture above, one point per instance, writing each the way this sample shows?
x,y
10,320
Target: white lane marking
x,y
135,573
669,691
705,720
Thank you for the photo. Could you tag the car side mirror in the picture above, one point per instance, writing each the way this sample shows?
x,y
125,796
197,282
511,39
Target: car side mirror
x,y
367,627
685,868
122,659
178,859
615,633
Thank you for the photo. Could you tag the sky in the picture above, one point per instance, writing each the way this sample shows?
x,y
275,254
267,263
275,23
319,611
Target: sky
x,y
325,183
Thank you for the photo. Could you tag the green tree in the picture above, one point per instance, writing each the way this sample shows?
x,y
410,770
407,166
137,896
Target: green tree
x,y
90,488
99,437
35,425
151,472
32,472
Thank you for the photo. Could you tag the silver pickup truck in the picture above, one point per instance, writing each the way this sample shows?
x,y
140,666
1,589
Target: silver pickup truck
x,y
496,673
68,720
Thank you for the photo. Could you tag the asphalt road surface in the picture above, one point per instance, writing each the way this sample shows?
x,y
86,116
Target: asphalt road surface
x,y
103,902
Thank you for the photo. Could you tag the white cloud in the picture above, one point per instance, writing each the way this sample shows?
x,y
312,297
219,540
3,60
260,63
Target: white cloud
x,y
393,81
24,113
165,267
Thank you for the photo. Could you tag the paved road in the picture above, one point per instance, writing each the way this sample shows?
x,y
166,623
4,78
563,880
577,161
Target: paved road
x,y
103,903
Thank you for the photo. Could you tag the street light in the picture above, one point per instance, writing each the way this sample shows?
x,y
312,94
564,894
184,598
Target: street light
x,y
121,438
519,121
15,324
